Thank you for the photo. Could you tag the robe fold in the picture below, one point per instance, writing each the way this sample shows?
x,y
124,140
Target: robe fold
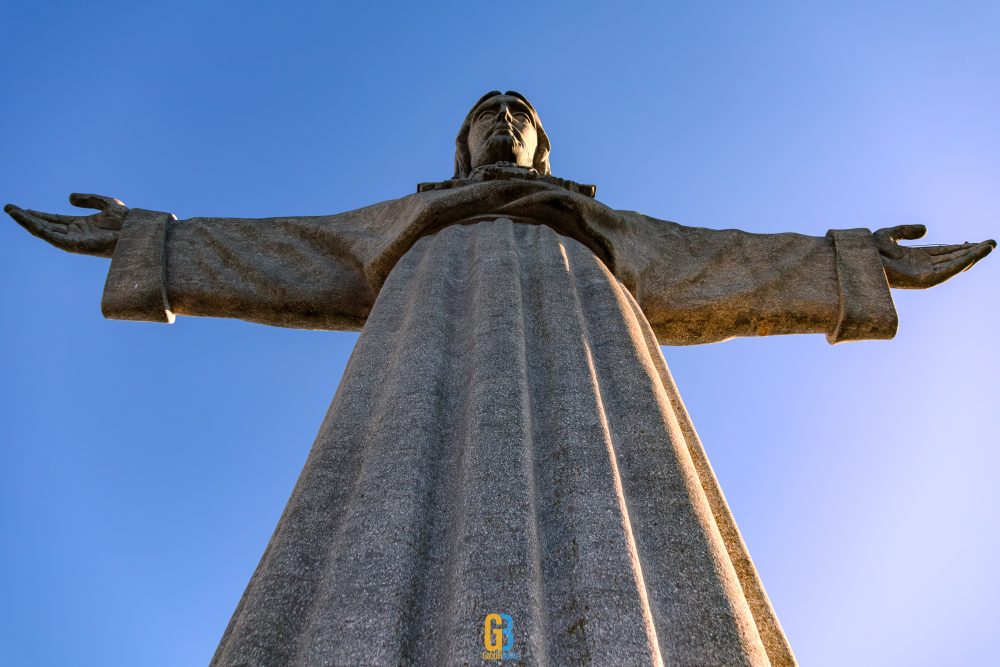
x,y
506,437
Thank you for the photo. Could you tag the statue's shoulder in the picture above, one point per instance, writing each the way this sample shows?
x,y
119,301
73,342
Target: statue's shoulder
x,y
642,219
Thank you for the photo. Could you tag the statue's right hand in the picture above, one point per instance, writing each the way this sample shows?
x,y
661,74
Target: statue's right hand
x,y
95,234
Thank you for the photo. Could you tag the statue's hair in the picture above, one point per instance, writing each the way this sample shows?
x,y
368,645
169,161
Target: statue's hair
x,y
463,160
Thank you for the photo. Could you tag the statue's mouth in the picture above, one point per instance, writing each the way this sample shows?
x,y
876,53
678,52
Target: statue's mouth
x,y
505,136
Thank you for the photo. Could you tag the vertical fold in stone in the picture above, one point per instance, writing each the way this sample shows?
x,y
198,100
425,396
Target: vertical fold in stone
x,y
694,591
379,558
485,554
779,651
337,576
505,439
596,612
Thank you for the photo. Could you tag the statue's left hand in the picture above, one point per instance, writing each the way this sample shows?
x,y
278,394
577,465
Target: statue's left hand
x,y
95,234
926,266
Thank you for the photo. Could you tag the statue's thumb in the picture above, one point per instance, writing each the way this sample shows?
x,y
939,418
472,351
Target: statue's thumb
x,y
100,202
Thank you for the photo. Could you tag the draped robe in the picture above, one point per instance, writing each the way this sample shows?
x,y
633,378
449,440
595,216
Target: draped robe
x,y
506,437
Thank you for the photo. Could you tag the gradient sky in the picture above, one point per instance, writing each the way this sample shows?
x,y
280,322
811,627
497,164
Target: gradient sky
x,y
143,466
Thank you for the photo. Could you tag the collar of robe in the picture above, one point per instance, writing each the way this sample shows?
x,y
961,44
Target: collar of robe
x,y
506,171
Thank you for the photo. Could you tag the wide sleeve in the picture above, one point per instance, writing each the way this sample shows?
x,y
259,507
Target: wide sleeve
x,y
303,272
698,285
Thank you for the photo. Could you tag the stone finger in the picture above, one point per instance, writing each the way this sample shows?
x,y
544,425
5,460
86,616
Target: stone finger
x,y
945,249
983,249
100,202
963,262
36,226
886,245
52,217
907,232
957,253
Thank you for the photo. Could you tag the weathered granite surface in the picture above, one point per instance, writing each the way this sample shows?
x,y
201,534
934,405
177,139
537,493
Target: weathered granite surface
x,y
694,285
506,438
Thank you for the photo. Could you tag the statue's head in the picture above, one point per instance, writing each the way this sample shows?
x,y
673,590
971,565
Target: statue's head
x,y
501,127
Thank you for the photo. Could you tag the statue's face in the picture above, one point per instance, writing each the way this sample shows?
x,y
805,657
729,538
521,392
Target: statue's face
x,y
502,130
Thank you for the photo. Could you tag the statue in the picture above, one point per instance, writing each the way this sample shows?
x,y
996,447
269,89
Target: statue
x,y
507,445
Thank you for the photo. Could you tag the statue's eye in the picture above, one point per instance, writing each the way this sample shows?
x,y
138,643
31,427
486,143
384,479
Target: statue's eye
x,y
523,117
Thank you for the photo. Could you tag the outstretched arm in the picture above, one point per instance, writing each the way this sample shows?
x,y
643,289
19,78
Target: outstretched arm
x,y
304,272
699,285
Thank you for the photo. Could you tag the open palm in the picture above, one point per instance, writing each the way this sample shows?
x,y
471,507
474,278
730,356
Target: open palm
x,y
95,234
920,267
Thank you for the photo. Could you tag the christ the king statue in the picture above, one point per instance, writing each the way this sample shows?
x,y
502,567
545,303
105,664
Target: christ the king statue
x,y
507,457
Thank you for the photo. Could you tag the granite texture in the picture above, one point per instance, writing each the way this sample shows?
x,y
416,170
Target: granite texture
x,y
695,285
506,437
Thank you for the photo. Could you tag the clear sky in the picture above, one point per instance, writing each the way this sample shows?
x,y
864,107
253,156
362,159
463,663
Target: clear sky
x,y
143,466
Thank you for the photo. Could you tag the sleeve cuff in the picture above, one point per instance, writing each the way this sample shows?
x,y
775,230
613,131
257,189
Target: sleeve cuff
x,y
136,287
866,308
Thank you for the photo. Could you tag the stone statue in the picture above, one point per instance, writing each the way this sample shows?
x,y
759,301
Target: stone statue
x,y
506,438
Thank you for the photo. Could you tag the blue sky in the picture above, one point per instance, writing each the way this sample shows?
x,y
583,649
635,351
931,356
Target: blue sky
x,y
143,467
